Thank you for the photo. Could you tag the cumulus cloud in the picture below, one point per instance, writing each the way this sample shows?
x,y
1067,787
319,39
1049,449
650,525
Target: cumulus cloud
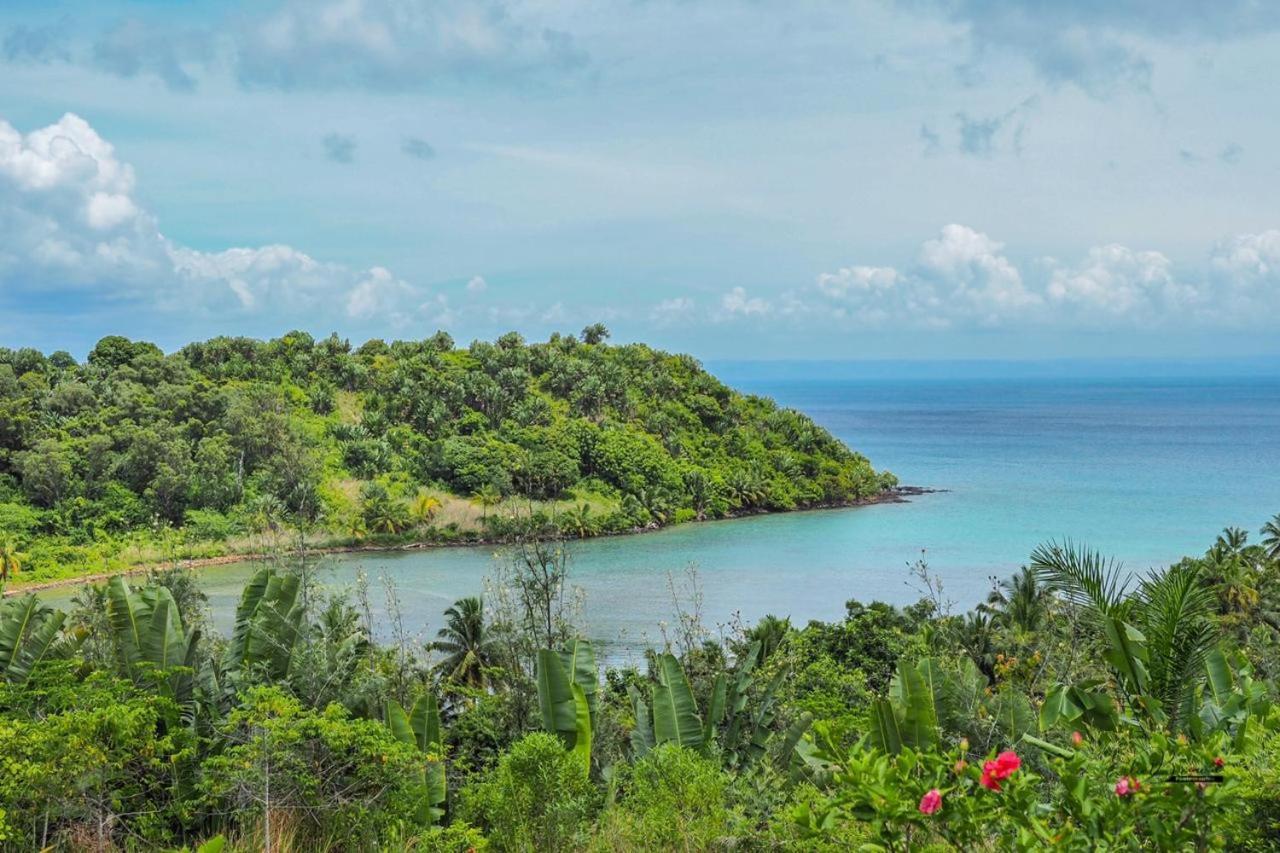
x,y
71,221
1099,45
1118,282
963,277
396,44
477,284
736,303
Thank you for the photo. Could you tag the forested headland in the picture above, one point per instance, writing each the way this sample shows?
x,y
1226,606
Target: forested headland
x,y
136,457
1078,707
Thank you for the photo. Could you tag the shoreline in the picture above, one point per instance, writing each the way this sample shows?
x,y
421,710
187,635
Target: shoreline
x,y
896,495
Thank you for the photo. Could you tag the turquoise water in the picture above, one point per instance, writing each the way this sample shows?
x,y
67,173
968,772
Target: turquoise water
x,y
1146,469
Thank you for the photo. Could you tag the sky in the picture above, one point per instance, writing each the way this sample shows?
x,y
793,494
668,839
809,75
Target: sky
x,y
739,179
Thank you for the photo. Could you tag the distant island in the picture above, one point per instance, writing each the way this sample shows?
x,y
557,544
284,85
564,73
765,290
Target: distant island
x,y
136,456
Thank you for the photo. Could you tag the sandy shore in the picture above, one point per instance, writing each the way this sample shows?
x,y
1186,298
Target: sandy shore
x,y
899,494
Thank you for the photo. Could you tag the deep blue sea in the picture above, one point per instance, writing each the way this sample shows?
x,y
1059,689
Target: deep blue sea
x,y
1146,469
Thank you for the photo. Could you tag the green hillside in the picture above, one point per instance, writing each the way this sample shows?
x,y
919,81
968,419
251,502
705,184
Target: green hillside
x,y
136,455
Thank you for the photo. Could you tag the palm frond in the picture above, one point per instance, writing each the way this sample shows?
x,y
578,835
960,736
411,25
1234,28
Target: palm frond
x,y
1175,609
1082,576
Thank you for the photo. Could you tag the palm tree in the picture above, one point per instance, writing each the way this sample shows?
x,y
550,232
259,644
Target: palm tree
x,y
10,561
1020,602
1155,639
485,497
578,519
769,632
1271,537
465,643
424,508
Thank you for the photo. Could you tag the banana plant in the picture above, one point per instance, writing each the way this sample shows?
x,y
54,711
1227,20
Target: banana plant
x,y
149,637
926,700
741,728
28,634
267,627
1229,699
567,684
421,728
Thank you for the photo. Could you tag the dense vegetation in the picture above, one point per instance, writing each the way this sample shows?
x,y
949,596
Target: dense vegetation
x,y
1077,708
137,456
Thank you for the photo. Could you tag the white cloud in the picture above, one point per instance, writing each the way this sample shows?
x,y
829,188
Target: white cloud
x,y
477,285
397,44
736,303
975,278
1251,256
858,280
70,220
673,310
964,278
1116,281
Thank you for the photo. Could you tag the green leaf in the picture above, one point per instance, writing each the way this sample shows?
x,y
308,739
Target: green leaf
x,y
716,712
425,721
398,723
582,742
675,716
1220,678
913,691
885,734
28,633
555,698
1059,707
642,735
579,663
1127,653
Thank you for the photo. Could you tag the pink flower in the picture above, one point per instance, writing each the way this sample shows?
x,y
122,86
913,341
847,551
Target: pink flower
x,y
1077,738
1000,768
931,802
1125,786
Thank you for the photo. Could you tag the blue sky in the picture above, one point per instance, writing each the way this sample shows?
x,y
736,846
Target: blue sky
x,y
734,178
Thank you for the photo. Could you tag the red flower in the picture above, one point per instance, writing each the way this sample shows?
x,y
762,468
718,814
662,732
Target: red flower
x,y
1218,762
1001,767
931,802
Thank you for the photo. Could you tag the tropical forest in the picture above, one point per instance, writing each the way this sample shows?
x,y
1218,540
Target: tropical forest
x,y
1079,705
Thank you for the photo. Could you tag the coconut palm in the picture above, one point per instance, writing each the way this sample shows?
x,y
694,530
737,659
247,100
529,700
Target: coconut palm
x,y
1020,602
424,508
578,520
465,643
1271,537
769,632
485,497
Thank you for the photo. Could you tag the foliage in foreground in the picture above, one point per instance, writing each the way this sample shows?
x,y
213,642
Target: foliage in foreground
x,y
1077,708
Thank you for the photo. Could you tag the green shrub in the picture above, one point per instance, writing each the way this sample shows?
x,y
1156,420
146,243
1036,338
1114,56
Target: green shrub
x,y
672,799
345,778
537,798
